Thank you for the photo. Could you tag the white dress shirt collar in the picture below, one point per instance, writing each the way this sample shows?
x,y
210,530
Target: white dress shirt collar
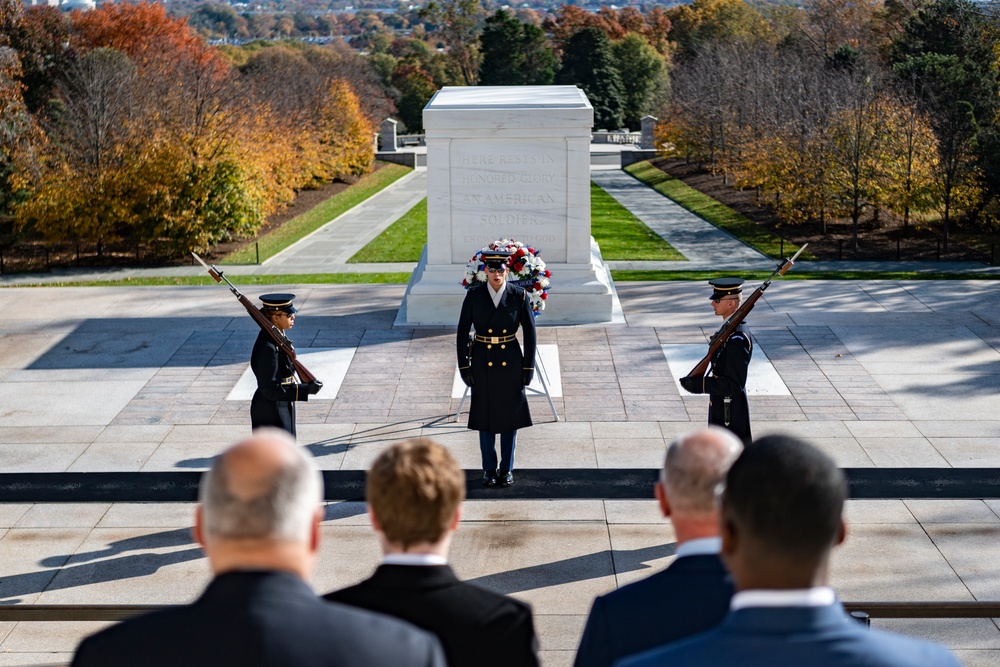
x,y
703,546
819,596
497,295
414,559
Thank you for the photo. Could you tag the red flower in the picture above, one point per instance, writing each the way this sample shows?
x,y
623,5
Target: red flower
x,y
465,283
548,274
545,295
538,287
531,250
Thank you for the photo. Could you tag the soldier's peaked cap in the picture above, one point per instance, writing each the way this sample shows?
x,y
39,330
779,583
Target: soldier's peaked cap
x,y
722,287
279,303
495,258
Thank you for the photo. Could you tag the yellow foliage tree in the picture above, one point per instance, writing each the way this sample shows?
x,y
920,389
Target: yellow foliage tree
x,y
346,137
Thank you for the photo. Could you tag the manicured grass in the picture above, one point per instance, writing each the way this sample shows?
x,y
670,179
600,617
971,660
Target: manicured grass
x,y
402,241
621,235
711,210
239,281
316,217
666,276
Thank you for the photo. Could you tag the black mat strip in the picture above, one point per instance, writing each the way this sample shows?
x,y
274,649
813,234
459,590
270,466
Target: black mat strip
x,y
529,484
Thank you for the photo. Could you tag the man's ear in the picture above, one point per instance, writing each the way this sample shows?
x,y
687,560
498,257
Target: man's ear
x,y
661,496
456,519
376,526
314,530
730,535
198,531
841,533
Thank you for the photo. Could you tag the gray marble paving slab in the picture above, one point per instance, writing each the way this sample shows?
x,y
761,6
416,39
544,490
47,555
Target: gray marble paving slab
x,y
951,511
641,550
970,549
634,511
969,452
31,558
532,510
551,565
964,428
11,513
877,511
42,643
43,457
893,562
627,452
148,515
943,396
559,632
184,455
131,566
112,457
890,452
63,515
93,403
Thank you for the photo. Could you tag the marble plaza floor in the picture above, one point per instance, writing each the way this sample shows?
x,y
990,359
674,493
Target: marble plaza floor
x,y
878,374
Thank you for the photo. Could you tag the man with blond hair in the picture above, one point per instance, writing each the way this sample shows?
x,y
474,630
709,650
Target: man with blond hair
x,y
415,491
258,518
692,594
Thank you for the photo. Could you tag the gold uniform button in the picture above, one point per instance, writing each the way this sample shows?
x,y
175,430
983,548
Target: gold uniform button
x,y
489,347
504,363
489,331
489,363
503,347
505,331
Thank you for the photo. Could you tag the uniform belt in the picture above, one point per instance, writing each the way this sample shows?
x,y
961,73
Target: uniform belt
x,y
288,380
493,340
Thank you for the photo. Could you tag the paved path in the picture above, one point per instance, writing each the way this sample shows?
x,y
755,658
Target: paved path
x,y
328,249
880,374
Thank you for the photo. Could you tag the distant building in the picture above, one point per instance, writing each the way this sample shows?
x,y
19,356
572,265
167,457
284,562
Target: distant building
x,y
68,6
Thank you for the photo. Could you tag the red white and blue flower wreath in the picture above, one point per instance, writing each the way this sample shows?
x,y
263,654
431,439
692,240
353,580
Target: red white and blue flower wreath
x,y
525,269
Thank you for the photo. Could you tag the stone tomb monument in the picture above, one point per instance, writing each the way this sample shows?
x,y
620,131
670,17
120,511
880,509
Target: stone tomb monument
x,y
509,162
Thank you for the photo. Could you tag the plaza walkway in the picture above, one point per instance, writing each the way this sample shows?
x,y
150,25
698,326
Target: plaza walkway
x,y
879,374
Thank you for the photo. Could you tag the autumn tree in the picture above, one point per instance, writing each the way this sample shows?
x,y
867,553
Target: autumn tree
x,y
589,63
514,53
18,141
457,22
638,63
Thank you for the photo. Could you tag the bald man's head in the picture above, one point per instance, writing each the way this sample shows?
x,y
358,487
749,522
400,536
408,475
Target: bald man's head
x,y
695,465
263,488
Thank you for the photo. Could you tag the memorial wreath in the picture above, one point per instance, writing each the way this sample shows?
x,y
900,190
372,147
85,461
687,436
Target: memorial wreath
x,y
525,269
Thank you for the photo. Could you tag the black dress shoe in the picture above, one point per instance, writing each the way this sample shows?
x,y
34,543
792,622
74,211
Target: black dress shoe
x,y
489,478
505,478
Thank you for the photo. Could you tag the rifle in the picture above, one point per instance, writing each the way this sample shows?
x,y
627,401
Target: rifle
x,y
276,335
720,337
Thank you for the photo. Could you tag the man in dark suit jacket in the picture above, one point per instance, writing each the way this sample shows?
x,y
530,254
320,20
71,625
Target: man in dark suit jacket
x,y
258,521
692,594
414,492
781,517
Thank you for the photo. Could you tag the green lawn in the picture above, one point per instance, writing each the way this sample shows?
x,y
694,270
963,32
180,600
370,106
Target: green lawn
x,y
664,276
402,241
620,234
711,210
239,281
316,217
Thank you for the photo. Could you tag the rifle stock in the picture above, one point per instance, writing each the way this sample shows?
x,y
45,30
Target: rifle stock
x,y
720,337
272,332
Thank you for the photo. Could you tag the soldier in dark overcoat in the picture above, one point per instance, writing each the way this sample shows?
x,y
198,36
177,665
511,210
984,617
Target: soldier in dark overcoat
x,y
492,364
273,403
727,380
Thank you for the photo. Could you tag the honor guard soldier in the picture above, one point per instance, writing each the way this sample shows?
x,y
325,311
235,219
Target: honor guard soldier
x,y
727,381
491,363
273,403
